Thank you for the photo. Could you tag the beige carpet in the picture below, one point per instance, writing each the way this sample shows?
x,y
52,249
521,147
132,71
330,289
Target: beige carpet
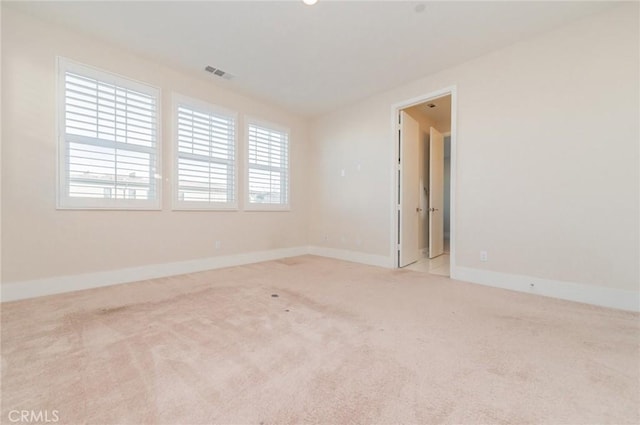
x,y
342,343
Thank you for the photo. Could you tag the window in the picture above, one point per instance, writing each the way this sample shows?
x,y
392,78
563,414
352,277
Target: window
x,y
205,146
267,166
108,140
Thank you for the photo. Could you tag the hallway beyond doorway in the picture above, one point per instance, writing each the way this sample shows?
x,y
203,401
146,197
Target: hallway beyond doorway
x,y
438,265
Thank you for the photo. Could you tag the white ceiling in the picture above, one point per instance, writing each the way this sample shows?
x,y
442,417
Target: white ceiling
x,y
311,59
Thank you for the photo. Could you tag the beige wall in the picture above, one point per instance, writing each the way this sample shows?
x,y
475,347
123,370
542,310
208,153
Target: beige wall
x,y
547,150
38,241
547,178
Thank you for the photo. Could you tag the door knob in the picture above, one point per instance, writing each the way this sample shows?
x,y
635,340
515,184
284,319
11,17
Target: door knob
x,y
418,209
433,209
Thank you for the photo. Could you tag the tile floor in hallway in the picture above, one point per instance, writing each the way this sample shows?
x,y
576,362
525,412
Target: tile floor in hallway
x,y
438,265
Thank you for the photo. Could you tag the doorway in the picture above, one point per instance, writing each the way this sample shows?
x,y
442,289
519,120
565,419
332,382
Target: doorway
x,y
424,170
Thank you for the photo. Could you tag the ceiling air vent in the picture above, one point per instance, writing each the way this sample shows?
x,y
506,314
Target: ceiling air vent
x,y
218,72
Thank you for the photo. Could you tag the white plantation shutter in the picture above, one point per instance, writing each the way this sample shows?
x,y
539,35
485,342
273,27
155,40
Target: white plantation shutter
x,y
109,140
267,165
206,155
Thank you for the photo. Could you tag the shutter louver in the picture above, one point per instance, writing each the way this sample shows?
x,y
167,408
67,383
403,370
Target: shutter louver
x,y
110,141
268,166
206,157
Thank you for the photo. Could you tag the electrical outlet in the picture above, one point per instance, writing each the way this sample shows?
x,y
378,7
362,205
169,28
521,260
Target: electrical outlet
x,y
358,242
325,238
218,244
342,173
483,256
343,239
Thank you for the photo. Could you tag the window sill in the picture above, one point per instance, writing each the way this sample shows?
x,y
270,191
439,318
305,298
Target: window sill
x,y
265,208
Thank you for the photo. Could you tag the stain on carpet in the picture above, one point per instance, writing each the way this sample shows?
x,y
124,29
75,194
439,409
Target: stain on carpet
x,y
112,310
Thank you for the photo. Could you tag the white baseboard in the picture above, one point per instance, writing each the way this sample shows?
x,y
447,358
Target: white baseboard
x,y
13,291
353,256
590,294
578,292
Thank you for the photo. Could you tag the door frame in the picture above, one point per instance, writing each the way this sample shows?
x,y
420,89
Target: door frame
x,y
395,187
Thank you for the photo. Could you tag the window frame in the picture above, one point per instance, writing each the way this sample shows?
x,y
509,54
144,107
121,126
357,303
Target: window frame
x,y
63,200
248,205
177,204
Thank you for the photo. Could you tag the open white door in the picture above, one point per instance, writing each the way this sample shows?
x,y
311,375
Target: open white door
x,y
409,202
436,193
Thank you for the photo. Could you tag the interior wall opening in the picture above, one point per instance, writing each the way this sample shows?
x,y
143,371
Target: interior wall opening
x,y
424,230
